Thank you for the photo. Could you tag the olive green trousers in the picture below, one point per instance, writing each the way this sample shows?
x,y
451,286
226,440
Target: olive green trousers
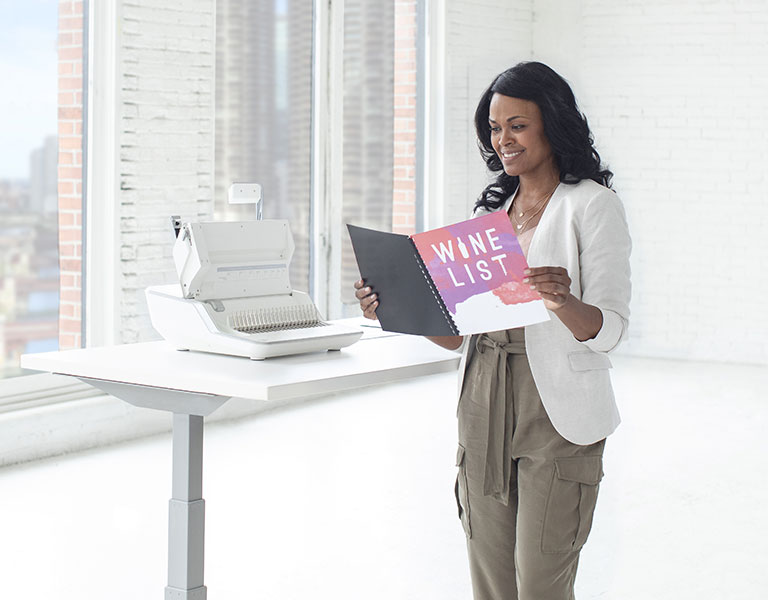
x,y
526,495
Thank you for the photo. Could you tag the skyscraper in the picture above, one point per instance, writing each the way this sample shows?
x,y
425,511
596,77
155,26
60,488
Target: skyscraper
x,y
43,177
263,113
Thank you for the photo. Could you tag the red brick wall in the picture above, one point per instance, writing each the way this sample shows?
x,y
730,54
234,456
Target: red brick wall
x,y
70,119
404,189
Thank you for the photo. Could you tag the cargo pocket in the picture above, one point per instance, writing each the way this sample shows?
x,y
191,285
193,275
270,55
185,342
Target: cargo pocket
x,y
462,495
571,503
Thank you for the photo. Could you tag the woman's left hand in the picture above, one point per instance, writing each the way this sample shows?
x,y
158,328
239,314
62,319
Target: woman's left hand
x,y
553,283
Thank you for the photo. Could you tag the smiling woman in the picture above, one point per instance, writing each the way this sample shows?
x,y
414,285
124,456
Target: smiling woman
x,y
541,395
517,136
536,402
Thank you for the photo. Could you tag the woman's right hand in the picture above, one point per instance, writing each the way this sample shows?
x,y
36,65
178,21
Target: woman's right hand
x,y
368,300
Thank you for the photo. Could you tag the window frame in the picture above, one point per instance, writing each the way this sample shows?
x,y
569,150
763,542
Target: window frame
x,y
327,185
433,110
45,389
101,224
327,156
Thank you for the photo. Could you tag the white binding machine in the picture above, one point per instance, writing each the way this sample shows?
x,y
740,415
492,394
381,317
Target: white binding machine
x,y
235,296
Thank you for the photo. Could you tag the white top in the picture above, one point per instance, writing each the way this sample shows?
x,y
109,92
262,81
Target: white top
x,y
372,360
584,229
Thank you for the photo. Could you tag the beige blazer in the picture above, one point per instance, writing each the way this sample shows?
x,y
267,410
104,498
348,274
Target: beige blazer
x,y
584,229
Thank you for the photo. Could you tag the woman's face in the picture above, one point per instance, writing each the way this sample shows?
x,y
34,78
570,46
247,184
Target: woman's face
x,y
517,136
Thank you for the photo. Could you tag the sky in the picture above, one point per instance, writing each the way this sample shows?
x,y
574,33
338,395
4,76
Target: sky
x,y
28,78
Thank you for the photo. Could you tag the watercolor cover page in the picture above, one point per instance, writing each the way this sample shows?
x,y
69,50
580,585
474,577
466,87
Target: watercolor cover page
x,y
477,267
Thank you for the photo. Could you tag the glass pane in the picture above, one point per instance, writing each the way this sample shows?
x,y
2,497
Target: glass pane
x,y
29,257
369,126
264,113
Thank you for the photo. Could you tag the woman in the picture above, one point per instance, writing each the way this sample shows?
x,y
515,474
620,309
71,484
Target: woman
x,y
536,403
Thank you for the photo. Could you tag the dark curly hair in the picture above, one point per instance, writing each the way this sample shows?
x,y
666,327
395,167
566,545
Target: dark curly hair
x,y
565,126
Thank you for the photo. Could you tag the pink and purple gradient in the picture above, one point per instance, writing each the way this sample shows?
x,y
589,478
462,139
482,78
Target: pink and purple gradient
x,y
460,275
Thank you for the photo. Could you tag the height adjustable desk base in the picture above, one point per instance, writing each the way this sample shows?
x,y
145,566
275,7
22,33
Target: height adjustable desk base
x,y
186,510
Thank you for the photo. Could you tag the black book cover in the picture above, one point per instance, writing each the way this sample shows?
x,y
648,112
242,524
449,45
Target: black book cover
x,y
391,266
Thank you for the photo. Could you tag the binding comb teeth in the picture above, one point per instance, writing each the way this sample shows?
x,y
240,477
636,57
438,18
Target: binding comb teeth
x,y
274,318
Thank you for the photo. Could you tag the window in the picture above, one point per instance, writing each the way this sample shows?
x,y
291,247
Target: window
x,y
380,124
36,167
264,127
368,131
264,114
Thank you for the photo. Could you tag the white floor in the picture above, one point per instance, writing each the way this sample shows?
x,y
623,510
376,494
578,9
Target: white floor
x,y
351,498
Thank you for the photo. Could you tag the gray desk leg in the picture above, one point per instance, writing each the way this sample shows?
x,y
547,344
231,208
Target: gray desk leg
x,y
186,520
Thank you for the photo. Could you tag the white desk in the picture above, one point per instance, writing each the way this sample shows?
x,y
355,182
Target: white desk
x,y
192,385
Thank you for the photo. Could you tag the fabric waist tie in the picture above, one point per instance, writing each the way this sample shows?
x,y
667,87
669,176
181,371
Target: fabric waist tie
x,y
498,444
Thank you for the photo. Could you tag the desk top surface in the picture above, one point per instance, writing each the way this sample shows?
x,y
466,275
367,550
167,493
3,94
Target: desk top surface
x,y
157,364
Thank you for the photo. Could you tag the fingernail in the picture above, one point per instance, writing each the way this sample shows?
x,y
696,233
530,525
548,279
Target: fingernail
x,y
367,290
526,280
526,272
533,287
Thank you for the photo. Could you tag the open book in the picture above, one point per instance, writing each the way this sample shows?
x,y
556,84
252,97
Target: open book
x,y
460,279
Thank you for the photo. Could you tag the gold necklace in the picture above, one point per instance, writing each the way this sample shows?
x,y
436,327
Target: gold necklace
x,y
538,208
519,226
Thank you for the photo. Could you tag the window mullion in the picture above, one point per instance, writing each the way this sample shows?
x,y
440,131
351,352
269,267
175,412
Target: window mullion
x,y
434,115
327,155
102,266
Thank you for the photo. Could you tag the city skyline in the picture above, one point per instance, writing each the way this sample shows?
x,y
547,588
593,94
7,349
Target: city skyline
x,y
29,279
28,61
35,193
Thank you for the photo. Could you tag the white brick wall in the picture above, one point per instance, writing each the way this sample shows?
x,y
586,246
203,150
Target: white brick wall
x,y
482,38
676,96
166,141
